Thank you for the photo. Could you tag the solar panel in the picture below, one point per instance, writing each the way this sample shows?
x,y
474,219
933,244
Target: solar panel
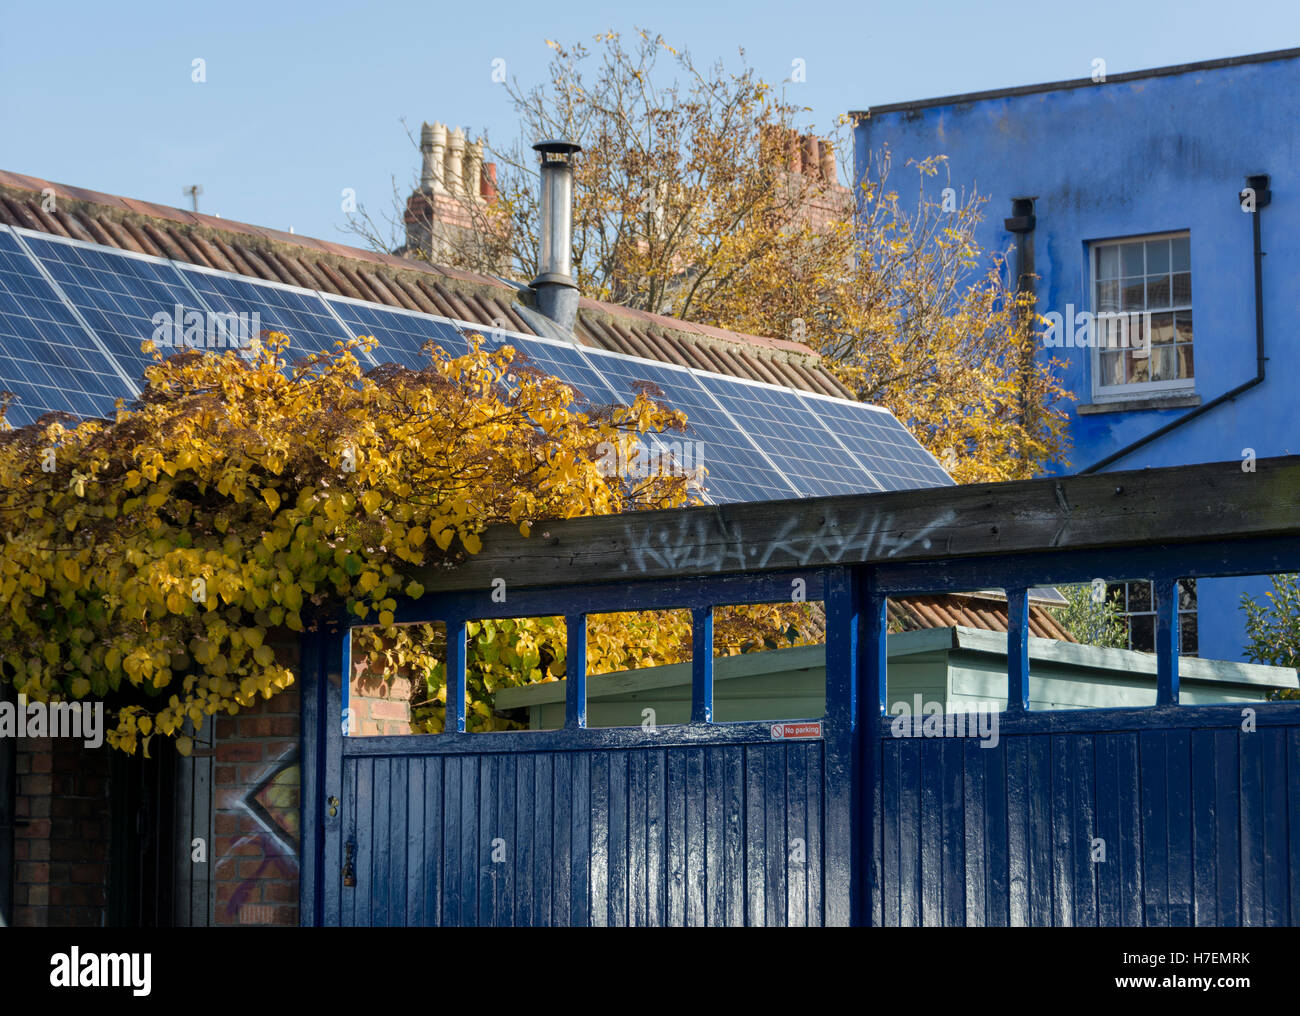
x,y
302,314
120,296
883,444
566,362
47,359
758,441
401,336
738,469
793,438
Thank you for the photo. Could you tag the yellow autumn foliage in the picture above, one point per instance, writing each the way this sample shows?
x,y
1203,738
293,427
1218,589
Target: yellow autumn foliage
x,y
153,555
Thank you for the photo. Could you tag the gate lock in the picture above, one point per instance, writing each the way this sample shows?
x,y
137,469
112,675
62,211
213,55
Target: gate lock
x,y
349,876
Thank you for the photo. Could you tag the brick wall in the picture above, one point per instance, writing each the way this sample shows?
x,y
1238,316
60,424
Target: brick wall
x,y
62,837
379,707
257,784
64,830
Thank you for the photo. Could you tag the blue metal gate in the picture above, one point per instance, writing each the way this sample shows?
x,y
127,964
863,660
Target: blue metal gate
x,y
1167,815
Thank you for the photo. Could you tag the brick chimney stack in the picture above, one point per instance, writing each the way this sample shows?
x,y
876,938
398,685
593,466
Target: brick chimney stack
x,y
455,187
813,159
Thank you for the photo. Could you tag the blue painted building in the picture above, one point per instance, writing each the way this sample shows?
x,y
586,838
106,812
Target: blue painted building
x,y
1140,194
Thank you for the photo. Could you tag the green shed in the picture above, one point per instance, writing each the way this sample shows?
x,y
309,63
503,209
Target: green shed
x,y
957,667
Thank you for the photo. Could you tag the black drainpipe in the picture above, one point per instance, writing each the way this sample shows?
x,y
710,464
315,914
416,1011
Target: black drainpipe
x,y
1259,184
1021,224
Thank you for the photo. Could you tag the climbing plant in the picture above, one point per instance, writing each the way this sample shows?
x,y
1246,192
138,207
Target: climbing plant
x,y
150,558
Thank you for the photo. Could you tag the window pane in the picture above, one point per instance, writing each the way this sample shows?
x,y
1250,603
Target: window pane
x,y
1108,262
1163,364
1181,257
1186,594
1157,292
1112,331
1131,259
1183,324
1157,257
1139,596
1115,591
1107,297
1132,333
1185,366
1112,369
1143,628
1162,329
1187,635
1133,295
1139,366
1182,292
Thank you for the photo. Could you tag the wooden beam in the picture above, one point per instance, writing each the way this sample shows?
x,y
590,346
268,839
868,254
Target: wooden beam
x,y
1214,501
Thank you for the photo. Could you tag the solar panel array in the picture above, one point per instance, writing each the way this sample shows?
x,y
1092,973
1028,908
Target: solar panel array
x,y
73,316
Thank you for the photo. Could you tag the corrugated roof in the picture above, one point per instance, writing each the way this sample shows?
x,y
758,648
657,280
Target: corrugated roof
x,y
196,238
971,610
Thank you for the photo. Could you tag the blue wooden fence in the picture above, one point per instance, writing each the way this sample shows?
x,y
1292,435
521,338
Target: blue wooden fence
x,y
1196,814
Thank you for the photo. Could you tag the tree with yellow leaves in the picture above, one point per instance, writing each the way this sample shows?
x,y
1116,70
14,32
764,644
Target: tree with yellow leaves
x,y
685,204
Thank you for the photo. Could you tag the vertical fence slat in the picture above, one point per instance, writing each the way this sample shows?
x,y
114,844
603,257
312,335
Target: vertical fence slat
x,y
1204,849
1166,606
575,671
702,665
1017,650
707,874
675,834
1276,874
1178,780
455,708
848,758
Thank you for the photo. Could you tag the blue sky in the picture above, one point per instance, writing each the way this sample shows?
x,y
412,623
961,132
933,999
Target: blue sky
x,y
302,101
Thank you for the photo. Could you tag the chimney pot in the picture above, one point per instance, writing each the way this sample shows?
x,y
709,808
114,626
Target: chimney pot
x,y
473,169
455,163
812,155
437,158
828,163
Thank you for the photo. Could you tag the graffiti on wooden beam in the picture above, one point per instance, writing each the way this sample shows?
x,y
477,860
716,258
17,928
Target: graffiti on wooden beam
x,y
711,544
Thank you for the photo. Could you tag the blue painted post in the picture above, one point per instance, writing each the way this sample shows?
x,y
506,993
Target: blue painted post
x,y
455,719
313,768
873,672
575,671
701,664
1166,592
1017,650
842,873
875,658
332,664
